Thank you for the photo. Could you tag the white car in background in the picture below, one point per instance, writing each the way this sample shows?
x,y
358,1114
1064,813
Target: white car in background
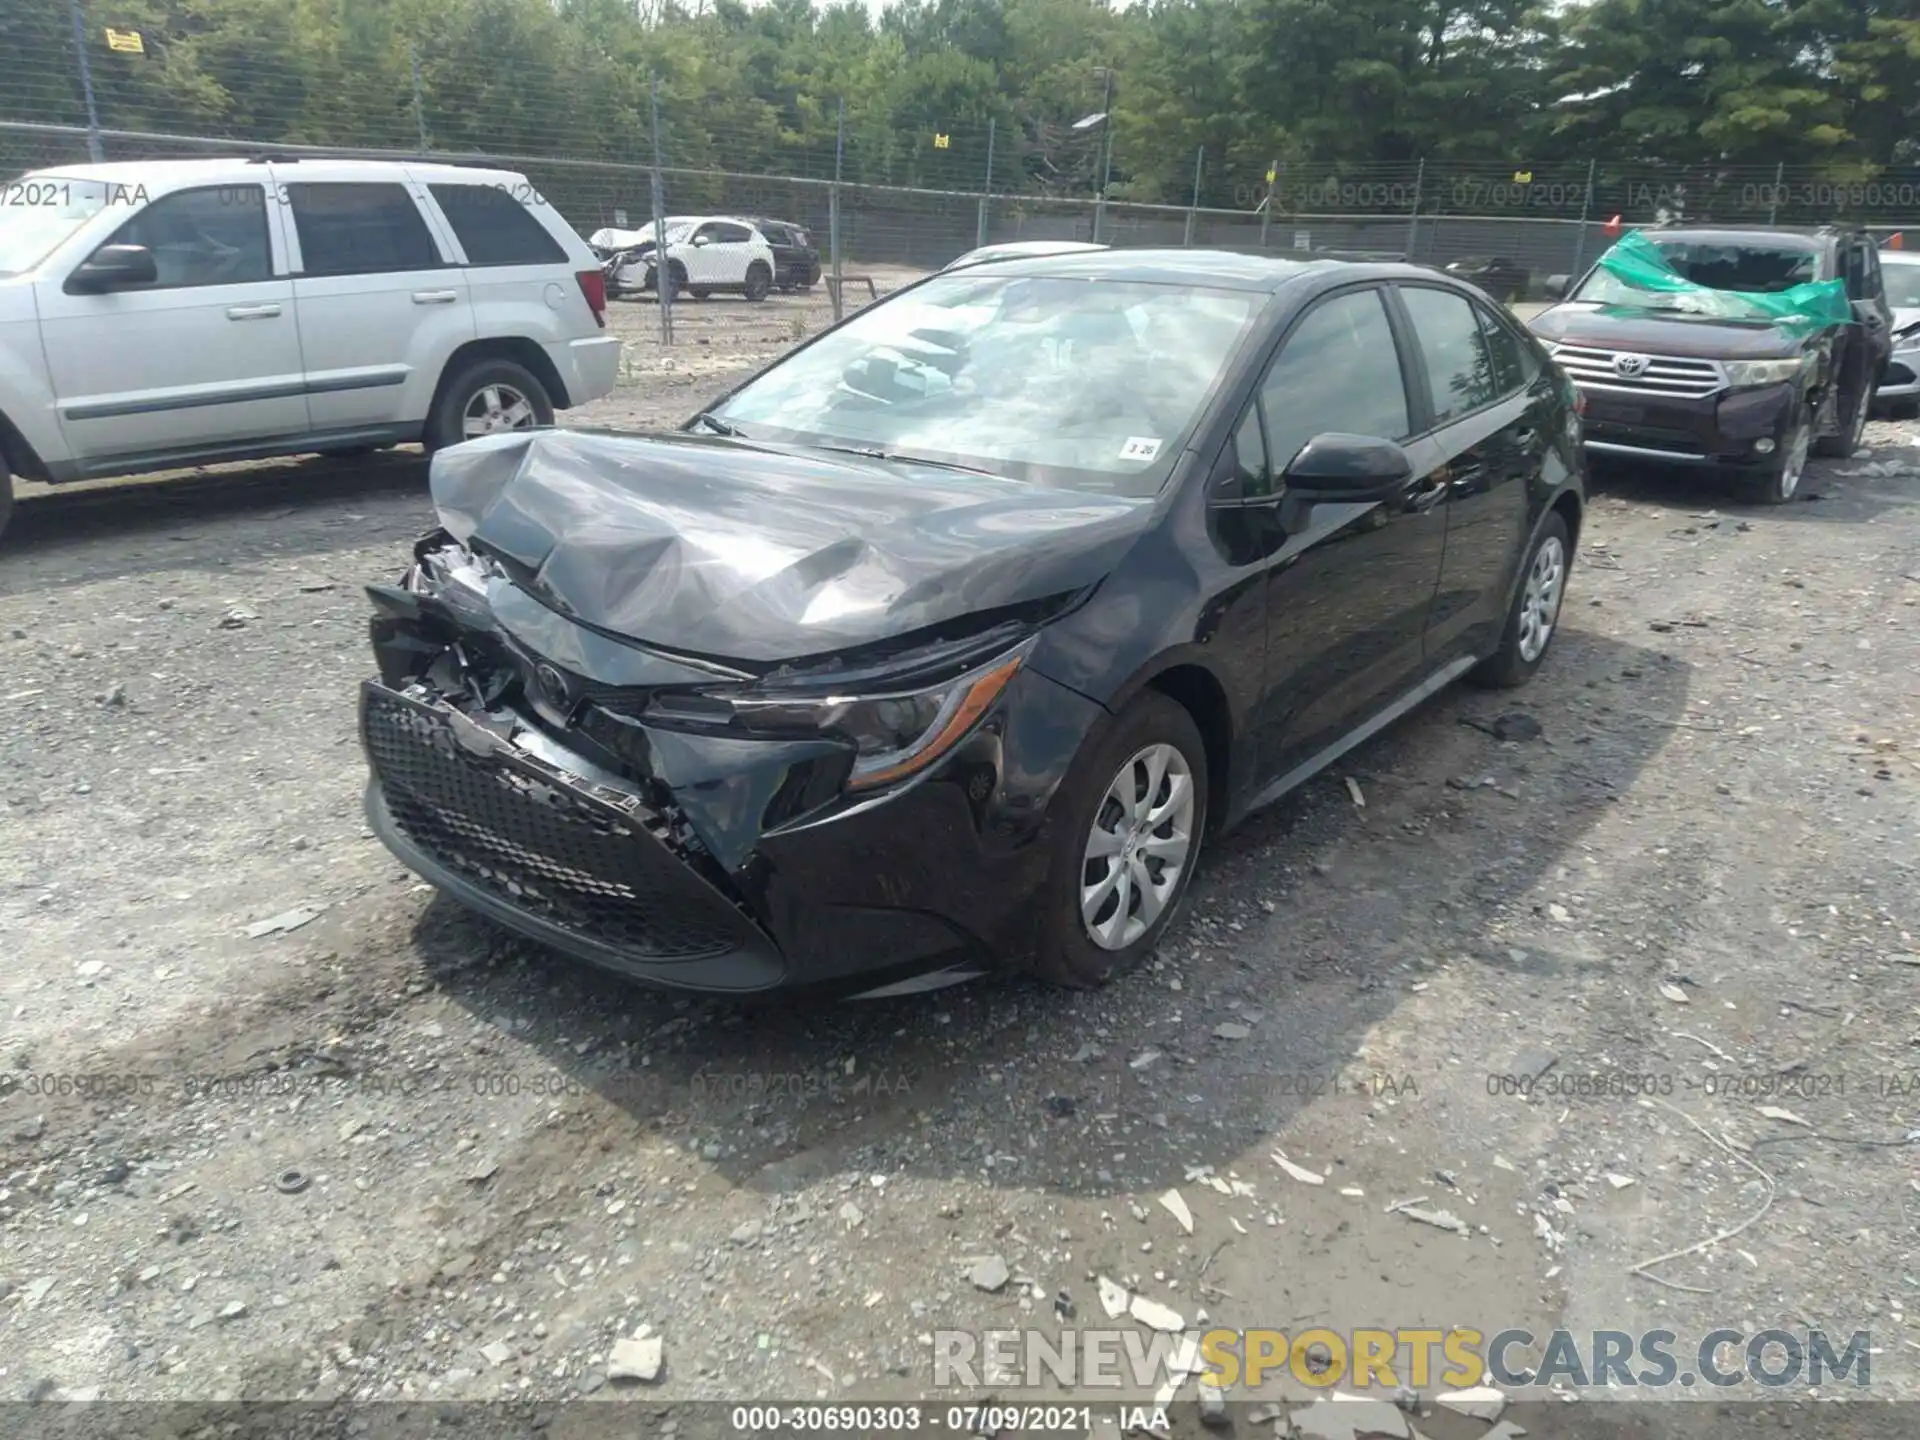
x,y
706,254
158,314
1899,392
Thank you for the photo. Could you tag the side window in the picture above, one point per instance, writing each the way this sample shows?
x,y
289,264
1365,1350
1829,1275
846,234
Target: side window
x,y
1338,371
1511,359
709,232
733,234
360,229
216,235
495,228
1459,365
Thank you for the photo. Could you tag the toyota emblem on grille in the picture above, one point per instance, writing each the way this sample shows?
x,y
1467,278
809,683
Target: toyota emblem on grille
x,y
1629,366
553,685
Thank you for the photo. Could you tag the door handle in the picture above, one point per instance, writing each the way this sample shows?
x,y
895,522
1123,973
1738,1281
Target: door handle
x,y
1526,435
252,312
435,297
1429,495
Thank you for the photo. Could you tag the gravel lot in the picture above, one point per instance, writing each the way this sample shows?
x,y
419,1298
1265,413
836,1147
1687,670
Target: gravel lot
x,y
393,1153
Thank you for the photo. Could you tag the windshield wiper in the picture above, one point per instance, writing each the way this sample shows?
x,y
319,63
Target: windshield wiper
x,y
874,452
717,425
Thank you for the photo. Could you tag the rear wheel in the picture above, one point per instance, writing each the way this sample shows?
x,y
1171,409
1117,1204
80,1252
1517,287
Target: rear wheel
x,y
1779,480
759,281
1535,613
1127,834
488,397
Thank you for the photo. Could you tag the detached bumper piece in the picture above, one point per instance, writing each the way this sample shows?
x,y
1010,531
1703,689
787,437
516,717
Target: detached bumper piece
x,y
586,867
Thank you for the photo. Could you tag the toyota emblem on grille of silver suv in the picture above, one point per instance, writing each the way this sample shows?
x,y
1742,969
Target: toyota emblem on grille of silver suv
x,y
1629,366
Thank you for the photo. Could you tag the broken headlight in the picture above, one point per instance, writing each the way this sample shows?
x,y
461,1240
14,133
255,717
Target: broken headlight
x,y
1746,374
896,734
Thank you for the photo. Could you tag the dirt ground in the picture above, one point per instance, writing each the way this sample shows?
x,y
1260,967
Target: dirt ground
x,y
392,1153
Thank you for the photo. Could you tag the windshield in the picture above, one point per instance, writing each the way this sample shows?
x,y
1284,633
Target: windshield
x,y
1759,269
1903,286
39,212
1066,382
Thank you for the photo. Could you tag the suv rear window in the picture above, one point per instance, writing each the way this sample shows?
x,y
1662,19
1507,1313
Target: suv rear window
x,y
360,229
495,228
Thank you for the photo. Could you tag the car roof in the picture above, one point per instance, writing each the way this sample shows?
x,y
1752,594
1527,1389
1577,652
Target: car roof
x,y
1219,269
170,174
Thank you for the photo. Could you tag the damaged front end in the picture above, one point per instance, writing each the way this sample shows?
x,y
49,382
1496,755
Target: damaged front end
x,y
693,822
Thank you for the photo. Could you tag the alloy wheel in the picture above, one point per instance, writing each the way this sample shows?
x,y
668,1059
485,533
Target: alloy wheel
x,y
1795,464
1138,848
494,408
1540,600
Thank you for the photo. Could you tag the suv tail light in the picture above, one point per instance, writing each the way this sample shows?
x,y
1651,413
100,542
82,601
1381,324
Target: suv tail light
x,y
593,285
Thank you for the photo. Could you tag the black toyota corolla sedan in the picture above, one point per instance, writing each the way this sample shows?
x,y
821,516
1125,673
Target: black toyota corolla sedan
x,y
943,643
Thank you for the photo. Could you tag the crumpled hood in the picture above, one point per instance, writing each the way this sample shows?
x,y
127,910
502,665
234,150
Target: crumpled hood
x,y
712,548
1650,332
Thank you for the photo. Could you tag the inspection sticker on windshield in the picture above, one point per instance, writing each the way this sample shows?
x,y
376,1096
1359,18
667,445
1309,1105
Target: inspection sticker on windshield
x,y
1139,448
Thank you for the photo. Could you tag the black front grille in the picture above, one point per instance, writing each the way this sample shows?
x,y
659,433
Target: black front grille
x,y
597,869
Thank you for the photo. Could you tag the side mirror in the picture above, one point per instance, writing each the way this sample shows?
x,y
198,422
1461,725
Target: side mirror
x,y
114,267
699,240
1348,470
1556,286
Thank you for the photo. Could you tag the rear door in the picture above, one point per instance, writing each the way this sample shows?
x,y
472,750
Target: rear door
x,y
519,277
208,356
1489,407
382,301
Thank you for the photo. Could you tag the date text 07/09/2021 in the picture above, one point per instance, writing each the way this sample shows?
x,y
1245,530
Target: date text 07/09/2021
x,y
770,1422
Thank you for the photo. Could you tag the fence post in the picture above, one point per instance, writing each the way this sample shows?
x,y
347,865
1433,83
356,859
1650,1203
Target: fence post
x,y
1413,220
419,103
1266,210
833,204
980,228
1779,182
1106,164
96,152
1586,215
1193,210
662,267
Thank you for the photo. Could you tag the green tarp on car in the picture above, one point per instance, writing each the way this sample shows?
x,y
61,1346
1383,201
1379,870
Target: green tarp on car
x,y
1799,310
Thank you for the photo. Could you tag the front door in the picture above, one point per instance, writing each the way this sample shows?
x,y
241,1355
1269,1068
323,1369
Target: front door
x,y
717,256
1347,596
382,305
207,356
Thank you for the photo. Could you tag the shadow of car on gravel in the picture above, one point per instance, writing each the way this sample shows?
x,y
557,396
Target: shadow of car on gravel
x,y
1308,919
1824,495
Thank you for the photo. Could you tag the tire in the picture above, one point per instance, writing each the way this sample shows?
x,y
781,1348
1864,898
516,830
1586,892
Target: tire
x,y
1152,730
1904,410
467,391
1853,425
6,495
759,281
1779,480
1534,615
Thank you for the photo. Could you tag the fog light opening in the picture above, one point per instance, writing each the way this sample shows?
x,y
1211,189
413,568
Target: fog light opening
x,y
1763,447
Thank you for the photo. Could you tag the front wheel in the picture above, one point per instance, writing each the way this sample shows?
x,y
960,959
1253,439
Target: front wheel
x,y
759,281
487,398
1853,426
1126,836
1535,612
1779,480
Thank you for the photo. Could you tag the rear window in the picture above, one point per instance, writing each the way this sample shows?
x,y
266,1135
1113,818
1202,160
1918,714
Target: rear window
x,y
495,227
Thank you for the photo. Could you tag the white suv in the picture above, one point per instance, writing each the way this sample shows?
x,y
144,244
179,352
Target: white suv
x,y
705,253
187,312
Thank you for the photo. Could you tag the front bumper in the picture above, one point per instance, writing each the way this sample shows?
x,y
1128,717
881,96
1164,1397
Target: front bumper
x,y
1722,429
941,874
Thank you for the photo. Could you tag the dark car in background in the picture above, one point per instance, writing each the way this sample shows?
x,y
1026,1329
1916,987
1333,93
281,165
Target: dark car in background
x,y
796,260
945,642
1669,379
1505,280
